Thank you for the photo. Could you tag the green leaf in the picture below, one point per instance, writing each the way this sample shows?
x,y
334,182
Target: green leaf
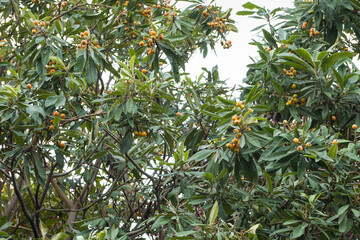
x,y
40,170
250,6
332,59
126,143
245,13
251,93
185,233
174,59
292,57
333,151
91,72
270,39
199,156
305,55
209,176
214,212
268,181
277,87
299,231
79,64
59,159
161,221
223,172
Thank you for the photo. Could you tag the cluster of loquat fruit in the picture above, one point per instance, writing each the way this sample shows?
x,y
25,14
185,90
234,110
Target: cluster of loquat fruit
x,y
227,44
52,127
50,68
294,100
312,30
39,26
238,122
301,146
140,134
85,36
219,24
267,48
291,72
151,41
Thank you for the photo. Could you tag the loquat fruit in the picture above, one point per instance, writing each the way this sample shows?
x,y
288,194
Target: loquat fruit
x,y
296,140
28,86
293,86
36,22
56,114
52,127
354,126
144,71
333,118
178,114
299,148
308,144
62,115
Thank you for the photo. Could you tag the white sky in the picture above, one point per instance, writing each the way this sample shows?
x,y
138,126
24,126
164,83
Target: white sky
x,y
232,62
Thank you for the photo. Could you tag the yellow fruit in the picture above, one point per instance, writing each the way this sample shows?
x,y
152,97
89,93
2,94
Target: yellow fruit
x,y
354,126
300,148
296,140
293,86
333,118
56,113
308,144
239,135
86,33
62,115
52,127
36,22
236,130
143,134
334,141
285,122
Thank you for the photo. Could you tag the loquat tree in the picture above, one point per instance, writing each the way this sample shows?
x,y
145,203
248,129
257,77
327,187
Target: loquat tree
x,y
104,135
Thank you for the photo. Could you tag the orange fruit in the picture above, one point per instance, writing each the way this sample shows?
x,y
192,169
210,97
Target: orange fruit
x,y
178,114
354,126
296,140
84,42
143,134
61,144
308,144
28,86
56,114
36,22
299,148
333,118
86,33
52,127
144,71
62,115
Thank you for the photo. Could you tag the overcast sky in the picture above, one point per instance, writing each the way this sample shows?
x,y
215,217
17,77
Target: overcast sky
x,y
232,62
